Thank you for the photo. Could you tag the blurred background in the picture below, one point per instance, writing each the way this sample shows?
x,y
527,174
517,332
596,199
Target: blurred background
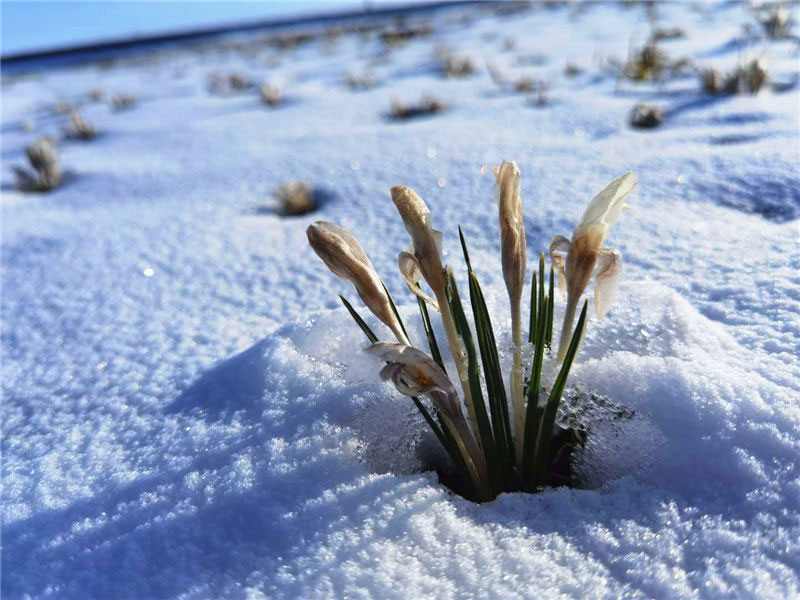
x,y
31,26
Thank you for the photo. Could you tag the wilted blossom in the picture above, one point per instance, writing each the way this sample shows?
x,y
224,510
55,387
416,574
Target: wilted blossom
x,y
414,373
584,253
341,252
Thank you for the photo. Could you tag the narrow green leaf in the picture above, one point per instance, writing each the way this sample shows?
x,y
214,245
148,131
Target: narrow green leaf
x,y
426,323
487,439
532,411
532,321
394,309
464,248
495,388
359,321
551,408
550,308
443,435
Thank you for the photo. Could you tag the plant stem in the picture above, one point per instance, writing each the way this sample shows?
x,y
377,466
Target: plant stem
x,y
517,394
566,328
460,358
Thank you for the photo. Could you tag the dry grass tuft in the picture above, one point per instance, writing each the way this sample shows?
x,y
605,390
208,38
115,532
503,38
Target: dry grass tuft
x,y
80,129
427,105
46,174
747,78
360,82
776,21
295,198
271,95
123,101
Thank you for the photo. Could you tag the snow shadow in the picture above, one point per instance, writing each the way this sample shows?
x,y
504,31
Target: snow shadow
x,y
235,385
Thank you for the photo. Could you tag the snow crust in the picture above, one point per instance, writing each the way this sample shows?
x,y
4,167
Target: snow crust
x,y
186,411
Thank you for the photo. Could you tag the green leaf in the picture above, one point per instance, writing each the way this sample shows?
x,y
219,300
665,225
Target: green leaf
x,y
359,321
532,410
532,322
551,408
442,434
394,310
426,323
498,401
550,308
473,372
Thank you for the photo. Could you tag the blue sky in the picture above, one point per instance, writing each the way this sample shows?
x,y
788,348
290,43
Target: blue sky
x,y
34,25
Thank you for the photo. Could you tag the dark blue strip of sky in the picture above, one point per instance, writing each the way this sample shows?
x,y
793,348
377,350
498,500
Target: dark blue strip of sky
x,y
33,25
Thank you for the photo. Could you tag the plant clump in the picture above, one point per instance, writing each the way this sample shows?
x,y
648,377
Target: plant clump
x,y
295,198
80,129
399,34
776,21
46,174
360,81
271,94
456,65
427,105
123,101
747,78
646,116
498,430
228,83
522,85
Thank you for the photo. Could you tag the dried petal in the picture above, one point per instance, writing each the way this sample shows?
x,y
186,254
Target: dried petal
x,y
414,373
559,249
609,273
512,229
412,274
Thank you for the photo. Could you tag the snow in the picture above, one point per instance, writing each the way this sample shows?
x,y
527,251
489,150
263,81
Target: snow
x,y
186,410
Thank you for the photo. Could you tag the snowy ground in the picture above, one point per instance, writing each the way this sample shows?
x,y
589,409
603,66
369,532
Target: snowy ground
x,y
186,410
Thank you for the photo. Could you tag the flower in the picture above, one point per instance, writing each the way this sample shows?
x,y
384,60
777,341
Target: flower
x,y
341,252
425,254
514,256
512,228
414,373
584,253
425,257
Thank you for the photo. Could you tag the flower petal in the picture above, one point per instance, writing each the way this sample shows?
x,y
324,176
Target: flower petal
x,y
418,366
609,273
512,229
412,274
340,251
559,248
606,207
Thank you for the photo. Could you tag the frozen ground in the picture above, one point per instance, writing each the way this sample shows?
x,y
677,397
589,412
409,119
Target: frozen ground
x,y
186,413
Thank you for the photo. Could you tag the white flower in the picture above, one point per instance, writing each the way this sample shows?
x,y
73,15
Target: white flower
x,y
576,259
341,252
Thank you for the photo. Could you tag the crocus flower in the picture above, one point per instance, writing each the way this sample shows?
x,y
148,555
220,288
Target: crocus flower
x,y
584,253
425,257
341,252
513,251
414,373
